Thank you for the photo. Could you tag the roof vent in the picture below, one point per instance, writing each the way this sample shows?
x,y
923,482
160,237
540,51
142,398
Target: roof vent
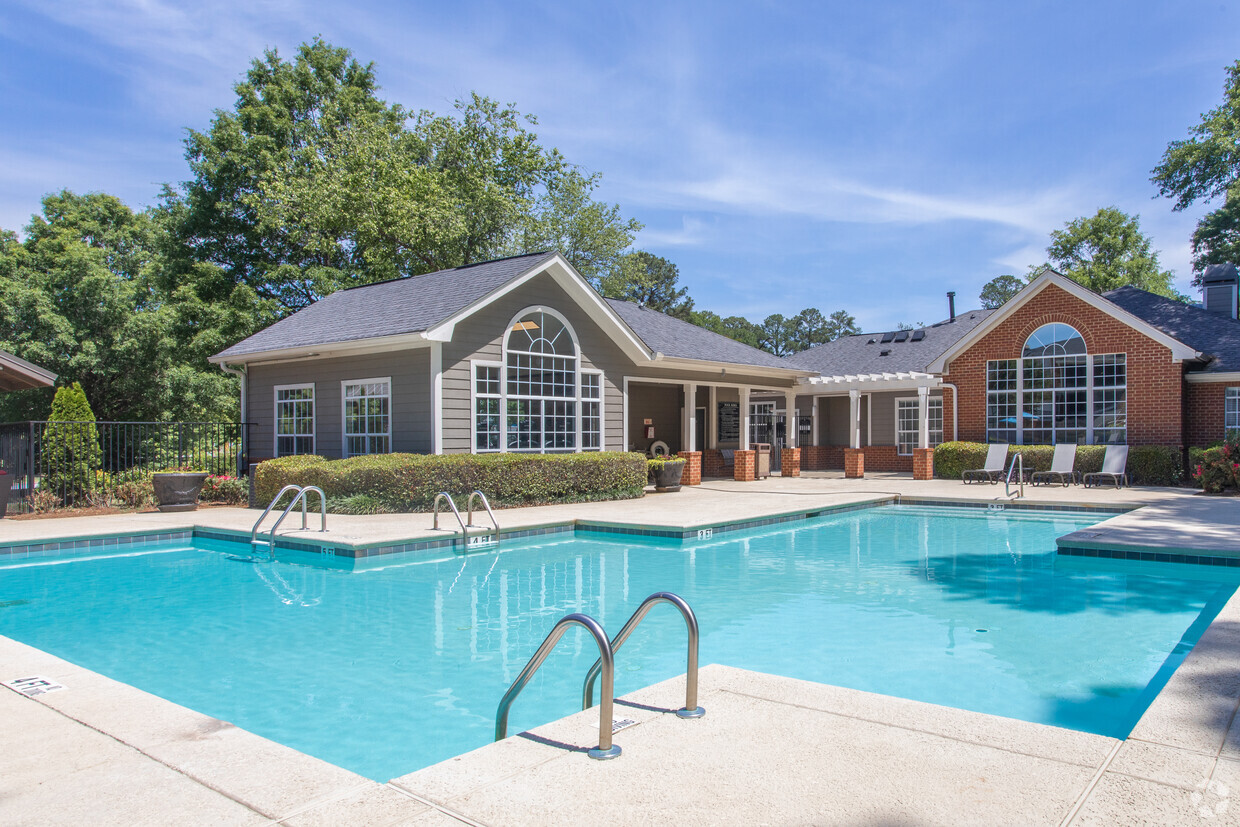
x,y
951,304
872,341
901,335
887,337
1219,285
884,353
918,335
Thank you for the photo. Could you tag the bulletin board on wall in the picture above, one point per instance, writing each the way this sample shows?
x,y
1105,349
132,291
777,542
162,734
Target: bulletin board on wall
x,y
729,422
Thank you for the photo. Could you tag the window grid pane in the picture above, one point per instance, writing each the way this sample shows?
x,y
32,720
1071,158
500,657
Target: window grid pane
x,y
1002,385
1231,410
366,418
294,421
907,426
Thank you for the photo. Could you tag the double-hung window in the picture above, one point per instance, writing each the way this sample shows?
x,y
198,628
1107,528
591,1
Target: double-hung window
x,y
591,410
1231,411
908,428
488,421
367,416
294,420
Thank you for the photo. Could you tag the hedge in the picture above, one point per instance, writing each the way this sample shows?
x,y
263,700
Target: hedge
x,y
1147,464
409,482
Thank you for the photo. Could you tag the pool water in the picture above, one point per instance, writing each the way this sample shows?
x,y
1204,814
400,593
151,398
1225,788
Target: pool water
x,y
389,669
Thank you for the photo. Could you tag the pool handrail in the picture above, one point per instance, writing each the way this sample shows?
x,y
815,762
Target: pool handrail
x,y
469,513
272,504
605,749
444,495
1017,459
301,497
691,708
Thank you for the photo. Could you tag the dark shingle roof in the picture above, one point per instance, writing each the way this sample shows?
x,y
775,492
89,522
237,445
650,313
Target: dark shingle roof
x,y
682,340
1216,337
862,354
389,308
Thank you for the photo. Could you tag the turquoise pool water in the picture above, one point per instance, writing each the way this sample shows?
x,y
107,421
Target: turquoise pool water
x,y
389,669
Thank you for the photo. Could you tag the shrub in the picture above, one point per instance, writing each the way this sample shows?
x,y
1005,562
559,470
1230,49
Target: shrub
x,y
71,451
222,488
135,493
409,482
357,504
1147,464
655,465
43,501
1218,468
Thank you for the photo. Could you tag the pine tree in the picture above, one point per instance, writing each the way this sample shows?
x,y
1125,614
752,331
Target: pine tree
x,y
71,453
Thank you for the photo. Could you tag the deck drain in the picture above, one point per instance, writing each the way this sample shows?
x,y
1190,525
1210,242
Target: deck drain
x,y
981,630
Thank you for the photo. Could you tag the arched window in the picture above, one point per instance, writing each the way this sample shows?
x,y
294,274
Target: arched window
x,y
545,402
1056,392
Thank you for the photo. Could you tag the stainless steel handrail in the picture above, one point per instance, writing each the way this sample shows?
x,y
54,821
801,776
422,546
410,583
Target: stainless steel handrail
x,y
605,748
469,513
271,505
444,495
301,497
691,708
1019,459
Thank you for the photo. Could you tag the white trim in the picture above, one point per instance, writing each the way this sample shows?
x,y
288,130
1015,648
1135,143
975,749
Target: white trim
x,y
602,408
474,364
436,398
923,422
275,425
1179,351
682,363
577,288
712,419
344,430
1203,378
327,350
712,383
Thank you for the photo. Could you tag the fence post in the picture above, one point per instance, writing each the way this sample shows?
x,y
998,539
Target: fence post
x,y
30,464
180,445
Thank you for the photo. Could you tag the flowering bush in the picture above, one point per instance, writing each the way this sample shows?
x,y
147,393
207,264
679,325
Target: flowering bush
x,y
221,488
1219,468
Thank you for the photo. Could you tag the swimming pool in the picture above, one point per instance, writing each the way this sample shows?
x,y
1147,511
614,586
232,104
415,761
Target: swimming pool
x,y
388,669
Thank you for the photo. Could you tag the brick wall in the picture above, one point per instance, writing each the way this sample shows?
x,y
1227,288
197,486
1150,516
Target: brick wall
x,y
877,458
790,462
1154,382
1203,408
692,473
712,463
744,466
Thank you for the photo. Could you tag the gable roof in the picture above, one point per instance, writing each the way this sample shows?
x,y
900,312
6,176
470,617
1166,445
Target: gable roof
x,y
1216,337
16,374
389,308
1179,350
679,339
862,354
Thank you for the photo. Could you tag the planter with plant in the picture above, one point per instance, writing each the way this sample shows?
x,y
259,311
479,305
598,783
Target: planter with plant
x,y
665,473
6,486
178,489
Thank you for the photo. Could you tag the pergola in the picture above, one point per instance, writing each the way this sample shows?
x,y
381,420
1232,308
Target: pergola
x,y
860,383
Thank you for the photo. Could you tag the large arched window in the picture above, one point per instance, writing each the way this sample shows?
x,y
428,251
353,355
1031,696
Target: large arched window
x,y
1056,392
545,401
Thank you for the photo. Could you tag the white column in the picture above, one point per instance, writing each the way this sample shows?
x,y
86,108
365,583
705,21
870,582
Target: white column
x,y
854,419
813,434
437,398
743,393
688,430
792,427
712,420
923,418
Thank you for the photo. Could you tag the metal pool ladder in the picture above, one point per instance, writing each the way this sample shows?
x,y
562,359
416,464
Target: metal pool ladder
x,y
691,708
1018,460
468,523
605,749
302,491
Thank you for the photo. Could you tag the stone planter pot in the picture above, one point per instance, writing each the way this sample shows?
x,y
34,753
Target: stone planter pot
x,y
6,487
667,477
178,491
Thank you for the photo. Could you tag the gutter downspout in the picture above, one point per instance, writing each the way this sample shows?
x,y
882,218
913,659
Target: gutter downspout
x,y
955,410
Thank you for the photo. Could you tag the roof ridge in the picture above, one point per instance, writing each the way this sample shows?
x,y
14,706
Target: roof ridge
x,y
543,253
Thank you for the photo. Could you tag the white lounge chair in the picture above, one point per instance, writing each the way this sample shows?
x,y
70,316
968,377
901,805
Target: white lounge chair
x,y
1114,467
1061,466
996,458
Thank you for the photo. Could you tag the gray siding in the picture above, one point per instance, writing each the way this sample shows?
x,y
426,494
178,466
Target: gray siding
x,y
410,404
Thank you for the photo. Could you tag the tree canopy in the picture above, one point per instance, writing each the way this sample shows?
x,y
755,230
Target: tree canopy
x,y
999,290
650,280
1206,168
1108,250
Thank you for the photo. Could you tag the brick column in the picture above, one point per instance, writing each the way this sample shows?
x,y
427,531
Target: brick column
x,y
744,466
854,463
692,475
790,462
712,463
923,463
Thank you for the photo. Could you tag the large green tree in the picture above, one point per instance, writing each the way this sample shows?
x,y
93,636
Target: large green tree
x,y
1206,168
734,327
999,291
650,280
1108,250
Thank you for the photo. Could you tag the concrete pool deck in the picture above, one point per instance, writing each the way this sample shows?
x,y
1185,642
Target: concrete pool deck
x,y
770,750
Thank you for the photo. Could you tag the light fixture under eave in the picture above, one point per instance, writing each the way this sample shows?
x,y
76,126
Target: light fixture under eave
x,y
312,354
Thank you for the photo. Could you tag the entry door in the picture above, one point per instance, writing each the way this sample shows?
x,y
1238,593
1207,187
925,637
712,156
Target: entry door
x,y
699,430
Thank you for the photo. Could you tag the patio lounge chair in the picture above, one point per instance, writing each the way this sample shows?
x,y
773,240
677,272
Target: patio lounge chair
x,y
1114,467
996,458
1061,466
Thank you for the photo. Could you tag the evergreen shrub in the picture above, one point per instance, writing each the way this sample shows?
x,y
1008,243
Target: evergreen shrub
x,y
71,453
1147,464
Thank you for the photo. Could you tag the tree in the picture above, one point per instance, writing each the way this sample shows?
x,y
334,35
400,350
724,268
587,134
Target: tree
x,y
777,335
999,290
1108,250
650,280
70,446
734,327
1206,167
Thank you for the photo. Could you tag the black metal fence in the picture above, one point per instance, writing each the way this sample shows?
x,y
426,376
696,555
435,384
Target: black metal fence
x,y
76,462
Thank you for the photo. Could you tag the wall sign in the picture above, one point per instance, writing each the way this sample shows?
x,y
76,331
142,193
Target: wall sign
x,y
729,421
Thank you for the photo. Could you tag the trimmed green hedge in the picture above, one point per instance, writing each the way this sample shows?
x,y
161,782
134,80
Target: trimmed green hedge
x,y
1147,464
409,482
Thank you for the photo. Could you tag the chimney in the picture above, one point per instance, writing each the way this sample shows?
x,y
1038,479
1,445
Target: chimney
x,y
1219,289
951,305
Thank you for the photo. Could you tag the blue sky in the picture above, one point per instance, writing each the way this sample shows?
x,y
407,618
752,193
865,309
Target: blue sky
x,y
861,156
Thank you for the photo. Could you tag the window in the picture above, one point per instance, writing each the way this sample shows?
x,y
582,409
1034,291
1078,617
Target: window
x,y
367,416
538,398
294,420
1056,392
1231,411
907,426
487,404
